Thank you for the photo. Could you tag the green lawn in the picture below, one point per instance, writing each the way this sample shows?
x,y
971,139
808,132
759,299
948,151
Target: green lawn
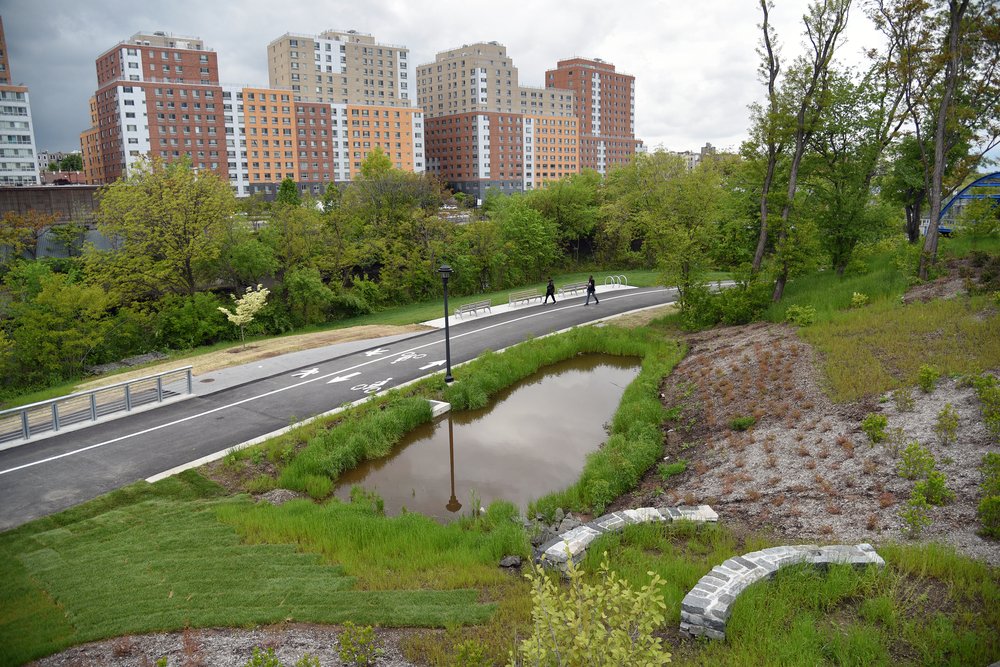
x,y
154,561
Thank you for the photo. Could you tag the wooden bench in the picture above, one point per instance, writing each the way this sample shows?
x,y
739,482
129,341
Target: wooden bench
x,y
472,308
524,296
575,288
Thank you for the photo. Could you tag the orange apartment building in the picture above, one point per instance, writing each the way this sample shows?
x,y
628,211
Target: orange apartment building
x,y
605,108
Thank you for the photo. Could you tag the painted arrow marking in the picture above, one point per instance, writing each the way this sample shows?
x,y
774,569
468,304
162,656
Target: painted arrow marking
x,y
432,365
341,378
302,374
372,353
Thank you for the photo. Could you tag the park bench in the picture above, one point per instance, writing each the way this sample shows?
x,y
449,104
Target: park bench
x,y
574,288
524,296
472,308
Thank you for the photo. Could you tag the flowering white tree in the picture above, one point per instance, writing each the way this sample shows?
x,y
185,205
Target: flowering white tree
x,y
247,306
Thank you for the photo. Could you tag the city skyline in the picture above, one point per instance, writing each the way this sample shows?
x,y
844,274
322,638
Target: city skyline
x,y
694,79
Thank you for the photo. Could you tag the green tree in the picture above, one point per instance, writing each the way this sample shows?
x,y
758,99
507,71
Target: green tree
x,y
21,232
572,204
295,237
288,194
72,162
685,225
806,87
167,224
525,234
54,332
69,236
945,59
308,296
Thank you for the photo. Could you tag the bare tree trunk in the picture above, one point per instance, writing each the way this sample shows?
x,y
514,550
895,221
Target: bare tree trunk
x,y
956,10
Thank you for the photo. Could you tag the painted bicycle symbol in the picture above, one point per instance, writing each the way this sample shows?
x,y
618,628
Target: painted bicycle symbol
x,y
406,356
370,388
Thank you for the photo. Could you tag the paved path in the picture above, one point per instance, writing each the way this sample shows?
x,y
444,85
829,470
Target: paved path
x,y
247,402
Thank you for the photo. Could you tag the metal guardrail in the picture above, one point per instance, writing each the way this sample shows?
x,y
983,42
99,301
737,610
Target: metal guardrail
x,y
27,421
616,281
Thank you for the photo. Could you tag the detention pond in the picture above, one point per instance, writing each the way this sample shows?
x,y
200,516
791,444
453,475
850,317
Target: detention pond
x,y
532,440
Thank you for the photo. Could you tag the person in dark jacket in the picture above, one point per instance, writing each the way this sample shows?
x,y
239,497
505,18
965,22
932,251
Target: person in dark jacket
x,y
550,290
591,291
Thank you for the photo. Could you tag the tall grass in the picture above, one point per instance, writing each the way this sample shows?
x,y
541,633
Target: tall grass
x,y
409,551
332,452
882,346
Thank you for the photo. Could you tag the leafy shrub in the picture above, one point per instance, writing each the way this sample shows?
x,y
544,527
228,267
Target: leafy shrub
x,y
859,300
916,462
742,423
903,398
915,514
801,316
263,658
935,489
874,426
471,654
743,303
989,506
927,377
668,470
307,660
357,645
606,623
988,391
184,322
989,516
700,308
946,426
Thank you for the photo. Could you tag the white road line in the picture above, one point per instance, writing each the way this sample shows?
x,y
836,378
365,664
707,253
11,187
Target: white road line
x,y
292,386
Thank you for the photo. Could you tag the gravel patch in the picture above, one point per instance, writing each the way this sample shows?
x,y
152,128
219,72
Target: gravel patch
x,y
222,647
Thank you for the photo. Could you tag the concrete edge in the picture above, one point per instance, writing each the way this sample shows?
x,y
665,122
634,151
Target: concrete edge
x,y
100,420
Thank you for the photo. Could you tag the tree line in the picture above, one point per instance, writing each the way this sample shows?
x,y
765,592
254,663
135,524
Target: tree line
x,y
837,158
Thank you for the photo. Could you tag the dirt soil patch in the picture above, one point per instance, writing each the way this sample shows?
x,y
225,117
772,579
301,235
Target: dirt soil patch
x,y
264,349
804,470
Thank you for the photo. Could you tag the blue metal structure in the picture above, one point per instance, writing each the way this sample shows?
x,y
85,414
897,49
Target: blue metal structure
x,y
991,181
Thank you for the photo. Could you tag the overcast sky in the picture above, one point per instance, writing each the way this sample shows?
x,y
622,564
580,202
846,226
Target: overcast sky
x,y
694,63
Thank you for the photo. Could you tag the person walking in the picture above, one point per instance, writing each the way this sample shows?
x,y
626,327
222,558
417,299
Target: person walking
x,y
550,290
591,291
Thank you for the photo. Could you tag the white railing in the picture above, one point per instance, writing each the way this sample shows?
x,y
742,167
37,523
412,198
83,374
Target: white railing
x,y
21,424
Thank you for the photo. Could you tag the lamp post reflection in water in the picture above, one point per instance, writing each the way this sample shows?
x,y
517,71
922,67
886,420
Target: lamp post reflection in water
x,y
453,504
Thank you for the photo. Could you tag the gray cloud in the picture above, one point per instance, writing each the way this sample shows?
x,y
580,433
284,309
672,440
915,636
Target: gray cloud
x,y
695,66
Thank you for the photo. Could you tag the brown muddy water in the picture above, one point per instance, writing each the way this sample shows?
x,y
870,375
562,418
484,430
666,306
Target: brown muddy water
x,y
532,440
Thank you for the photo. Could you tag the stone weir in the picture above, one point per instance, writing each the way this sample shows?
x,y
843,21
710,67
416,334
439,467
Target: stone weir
x,y
705,610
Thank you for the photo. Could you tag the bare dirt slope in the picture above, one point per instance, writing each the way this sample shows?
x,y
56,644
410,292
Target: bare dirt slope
x,y
805,470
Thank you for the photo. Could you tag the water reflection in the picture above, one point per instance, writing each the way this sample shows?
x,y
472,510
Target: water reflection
x,y
532,440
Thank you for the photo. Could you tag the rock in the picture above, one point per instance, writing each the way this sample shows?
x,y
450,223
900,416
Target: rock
x,y
567,524
511,561
559,515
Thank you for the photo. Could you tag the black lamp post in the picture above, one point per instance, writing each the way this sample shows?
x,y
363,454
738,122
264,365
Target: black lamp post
x,y
445,271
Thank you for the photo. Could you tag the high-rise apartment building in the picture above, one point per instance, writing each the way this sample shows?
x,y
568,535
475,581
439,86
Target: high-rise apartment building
x,y
160,95
17,132
485,130
340,67
605,106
